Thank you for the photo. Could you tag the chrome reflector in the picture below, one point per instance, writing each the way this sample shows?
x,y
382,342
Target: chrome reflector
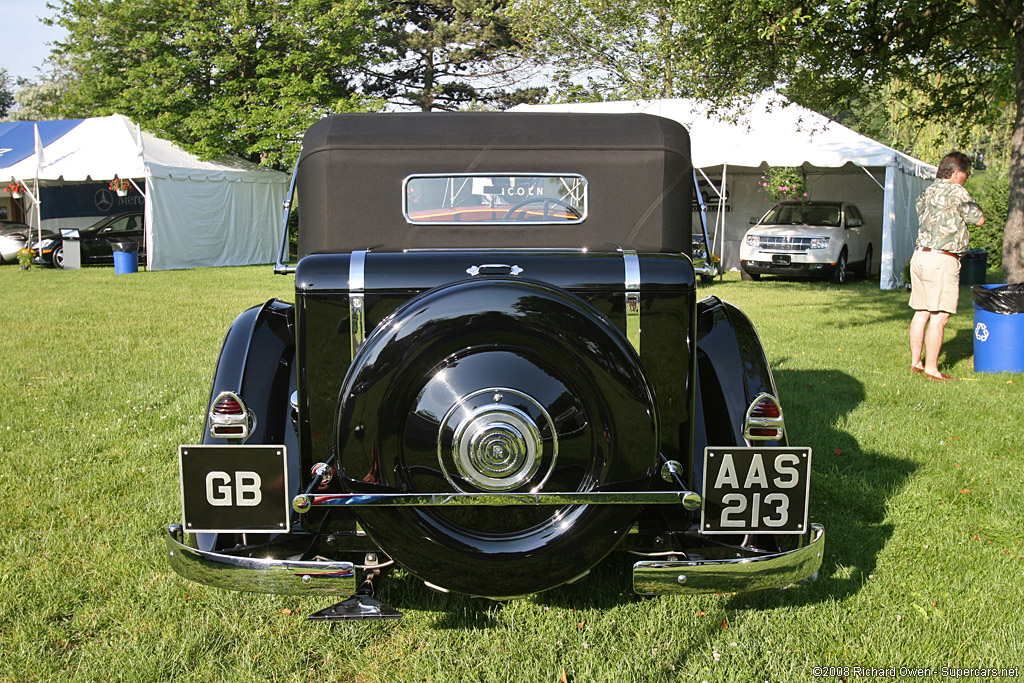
x,y
764,421
229,418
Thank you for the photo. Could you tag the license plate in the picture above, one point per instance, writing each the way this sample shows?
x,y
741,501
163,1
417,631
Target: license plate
x,y
234,489
780,259
755,490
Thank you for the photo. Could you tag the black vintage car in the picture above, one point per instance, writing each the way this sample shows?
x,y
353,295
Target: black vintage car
x,y
496,372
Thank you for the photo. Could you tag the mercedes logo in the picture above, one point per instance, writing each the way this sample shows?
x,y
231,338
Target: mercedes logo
x,y
103,200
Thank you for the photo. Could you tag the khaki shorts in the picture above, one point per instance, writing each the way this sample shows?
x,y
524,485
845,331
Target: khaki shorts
x,y
934,281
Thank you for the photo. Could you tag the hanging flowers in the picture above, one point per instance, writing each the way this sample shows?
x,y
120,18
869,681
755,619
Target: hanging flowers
x,y
120,186
784,183
15,190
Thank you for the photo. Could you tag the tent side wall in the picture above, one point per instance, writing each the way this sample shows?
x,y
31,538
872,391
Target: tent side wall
x,y
903,185
213,221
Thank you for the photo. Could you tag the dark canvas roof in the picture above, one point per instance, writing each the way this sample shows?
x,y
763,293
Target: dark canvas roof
x,y
353,165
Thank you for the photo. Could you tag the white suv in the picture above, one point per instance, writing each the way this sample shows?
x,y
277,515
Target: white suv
x,y
809,239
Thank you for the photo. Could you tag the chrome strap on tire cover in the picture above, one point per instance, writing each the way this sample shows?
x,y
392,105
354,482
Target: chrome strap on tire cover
x,y
356,313
631,262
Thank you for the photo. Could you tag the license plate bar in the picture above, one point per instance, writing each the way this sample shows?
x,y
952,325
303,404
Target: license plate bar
x,y
234,489
755,490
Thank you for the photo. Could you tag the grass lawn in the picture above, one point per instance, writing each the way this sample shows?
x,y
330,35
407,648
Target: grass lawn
x,y
918,483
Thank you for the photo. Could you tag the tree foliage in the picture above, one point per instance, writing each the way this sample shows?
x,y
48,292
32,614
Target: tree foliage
x,y
6,92
640,49
39,100
245,77
445,54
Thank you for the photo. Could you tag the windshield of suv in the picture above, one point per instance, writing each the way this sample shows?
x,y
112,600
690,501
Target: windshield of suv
x,y
510,198
799,214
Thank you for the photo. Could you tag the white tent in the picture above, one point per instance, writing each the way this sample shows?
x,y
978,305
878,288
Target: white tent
x,y
732,150
198,213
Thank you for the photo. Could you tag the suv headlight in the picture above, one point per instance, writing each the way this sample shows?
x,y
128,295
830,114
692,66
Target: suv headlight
x,y
753,240
819,243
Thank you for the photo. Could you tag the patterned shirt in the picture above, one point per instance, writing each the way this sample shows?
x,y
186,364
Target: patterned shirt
x,y
944,211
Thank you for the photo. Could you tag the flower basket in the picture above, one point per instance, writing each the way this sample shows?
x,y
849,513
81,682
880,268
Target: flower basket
x,y
784,183
120,186
16,190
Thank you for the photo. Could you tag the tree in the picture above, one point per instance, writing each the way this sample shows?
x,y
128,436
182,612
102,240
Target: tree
x,y
946,61
446,54
646,49
244,77
6,92
39,100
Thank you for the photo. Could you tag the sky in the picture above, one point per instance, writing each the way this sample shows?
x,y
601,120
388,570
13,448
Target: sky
x,y
23,38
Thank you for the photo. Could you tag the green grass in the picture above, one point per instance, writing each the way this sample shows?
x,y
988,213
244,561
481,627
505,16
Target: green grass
x,y
918,483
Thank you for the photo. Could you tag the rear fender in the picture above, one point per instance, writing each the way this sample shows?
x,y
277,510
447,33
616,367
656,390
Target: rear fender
x,y
731,371
257,363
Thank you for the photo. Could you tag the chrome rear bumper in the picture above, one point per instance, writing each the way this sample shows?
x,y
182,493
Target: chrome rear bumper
x,y
258,575
293,577
732,575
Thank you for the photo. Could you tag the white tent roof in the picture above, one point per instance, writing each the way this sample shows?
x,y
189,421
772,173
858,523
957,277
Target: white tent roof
x,y
770,131
102,148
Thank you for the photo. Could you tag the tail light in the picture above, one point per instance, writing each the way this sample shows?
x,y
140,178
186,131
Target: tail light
x,y
764,421
229,418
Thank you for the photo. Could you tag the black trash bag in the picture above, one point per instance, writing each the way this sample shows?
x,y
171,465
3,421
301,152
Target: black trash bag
x,y
125,245
1005,299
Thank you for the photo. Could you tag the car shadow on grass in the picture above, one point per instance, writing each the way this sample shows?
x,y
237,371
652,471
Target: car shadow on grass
x,y
850,487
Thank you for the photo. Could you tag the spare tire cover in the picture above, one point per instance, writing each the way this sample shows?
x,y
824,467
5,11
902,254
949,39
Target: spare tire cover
x,y
496,385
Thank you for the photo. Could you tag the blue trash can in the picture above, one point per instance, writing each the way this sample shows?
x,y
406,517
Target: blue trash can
x,y
998,328
126,257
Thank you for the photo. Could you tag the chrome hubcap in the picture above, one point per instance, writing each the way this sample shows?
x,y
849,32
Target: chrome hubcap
x,y
496,446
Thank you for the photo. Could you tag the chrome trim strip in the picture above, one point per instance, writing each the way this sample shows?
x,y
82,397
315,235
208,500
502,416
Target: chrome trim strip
x,y
631,263
280,268
257,574
731,575
688,499
356,308
530,250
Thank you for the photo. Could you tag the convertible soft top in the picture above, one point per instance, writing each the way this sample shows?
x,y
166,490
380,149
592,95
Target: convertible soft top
x,y
354,167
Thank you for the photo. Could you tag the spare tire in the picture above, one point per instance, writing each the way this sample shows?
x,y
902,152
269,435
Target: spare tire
x,y
497,385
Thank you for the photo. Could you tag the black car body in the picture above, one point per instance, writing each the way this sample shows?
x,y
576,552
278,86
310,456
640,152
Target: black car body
x,y
495,373
97,242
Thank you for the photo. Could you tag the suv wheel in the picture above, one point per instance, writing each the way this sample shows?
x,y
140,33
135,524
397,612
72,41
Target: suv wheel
x,y
866,270
749,276
839,274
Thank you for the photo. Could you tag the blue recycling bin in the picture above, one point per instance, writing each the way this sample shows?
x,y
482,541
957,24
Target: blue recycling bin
x,y
998,329
126,257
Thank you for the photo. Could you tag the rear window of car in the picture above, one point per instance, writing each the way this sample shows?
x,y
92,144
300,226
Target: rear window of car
x,y
481,199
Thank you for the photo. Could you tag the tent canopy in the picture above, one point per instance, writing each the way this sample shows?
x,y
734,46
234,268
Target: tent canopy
x,y
198,213
772,131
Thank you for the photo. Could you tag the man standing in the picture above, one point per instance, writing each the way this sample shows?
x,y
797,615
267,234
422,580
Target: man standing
x,y
944,211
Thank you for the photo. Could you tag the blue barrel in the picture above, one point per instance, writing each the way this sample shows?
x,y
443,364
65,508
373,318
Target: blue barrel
x,y
998,339
126,261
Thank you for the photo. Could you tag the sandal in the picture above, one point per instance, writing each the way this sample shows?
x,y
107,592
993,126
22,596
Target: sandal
x,y
941,377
